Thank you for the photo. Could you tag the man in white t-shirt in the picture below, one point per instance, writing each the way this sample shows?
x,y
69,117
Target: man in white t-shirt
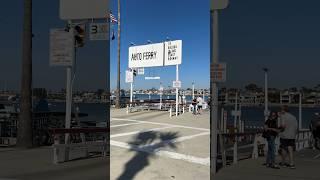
x,y
289,126
200,103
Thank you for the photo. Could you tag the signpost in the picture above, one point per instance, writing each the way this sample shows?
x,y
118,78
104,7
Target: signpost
x,y
159,54
99,31
71,10
129,79
61,47
215,6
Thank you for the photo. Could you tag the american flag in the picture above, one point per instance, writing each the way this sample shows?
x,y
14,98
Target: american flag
x,y
113,18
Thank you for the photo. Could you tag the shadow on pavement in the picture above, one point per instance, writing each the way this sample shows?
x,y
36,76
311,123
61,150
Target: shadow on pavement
x,y
145,144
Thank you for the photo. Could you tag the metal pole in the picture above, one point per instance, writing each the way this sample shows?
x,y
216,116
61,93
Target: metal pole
x,y
177,89
266,111
192,91
160,96
214,95
131,93
24,136
118,68
235,110
300,111
68,96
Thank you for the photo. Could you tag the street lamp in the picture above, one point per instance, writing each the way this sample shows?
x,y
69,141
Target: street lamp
x,y
266,111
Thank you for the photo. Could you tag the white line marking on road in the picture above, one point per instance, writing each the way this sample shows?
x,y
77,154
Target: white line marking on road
x,y
164,124
317,156
168,154
181,139
137,132
120,125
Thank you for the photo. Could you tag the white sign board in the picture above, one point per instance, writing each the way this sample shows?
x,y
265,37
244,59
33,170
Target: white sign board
x,y
218,72
173,53
176,84
140,71
219,4
129,76
146,55
61,47
151,78
99,31
84,9
235,113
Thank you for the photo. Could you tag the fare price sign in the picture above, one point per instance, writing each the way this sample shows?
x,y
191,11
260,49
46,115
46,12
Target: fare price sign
x,y
218,72
61,47
129,76
99,31
176,84
173,53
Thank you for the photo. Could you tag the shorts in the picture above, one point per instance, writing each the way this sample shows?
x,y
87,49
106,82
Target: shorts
x,y
199,106
285,143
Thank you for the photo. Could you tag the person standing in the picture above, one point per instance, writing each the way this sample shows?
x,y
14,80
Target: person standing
x,y
200,103
194,104
271,132
289,129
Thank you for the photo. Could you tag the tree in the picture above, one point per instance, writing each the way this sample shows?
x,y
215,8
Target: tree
x,y
252,87
24,137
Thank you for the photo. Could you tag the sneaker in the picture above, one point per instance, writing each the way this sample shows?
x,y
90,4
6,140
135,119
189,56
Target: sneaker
x,y
292,166
283,164
275,167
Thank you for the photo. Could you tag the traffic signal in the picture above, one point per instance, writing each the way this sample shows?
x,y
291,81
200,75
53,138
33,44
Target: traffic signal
x,y
79,34
134,72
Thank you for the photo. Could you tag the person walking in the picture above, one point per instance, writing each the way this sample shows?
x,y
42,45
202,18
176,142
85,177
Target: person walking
x,y
270,133
289,129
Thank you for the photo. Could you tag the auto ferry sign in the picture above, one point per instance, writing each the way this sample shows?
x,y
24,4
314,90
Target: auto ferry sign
x,y
146,55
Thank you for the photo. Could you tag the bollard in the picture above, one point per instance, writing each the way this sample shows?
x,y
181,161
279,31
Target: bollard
x,y
170,112
235,149
255,153
183,110
127,109
55,149
189,108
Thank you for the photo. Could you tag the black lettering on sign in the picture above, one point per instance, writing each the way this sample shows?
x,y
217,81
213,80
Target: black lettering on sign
x,y
136,56
94,29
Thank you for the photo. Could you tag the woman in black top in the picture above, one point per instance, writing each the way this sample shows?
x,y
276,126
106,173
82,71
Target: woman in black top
x,y
271,132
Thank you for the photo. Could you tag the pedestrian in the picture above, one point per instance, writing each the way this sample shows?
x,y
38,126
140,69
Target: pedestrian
x,y
271,131
289,128
200,103
194,104
315,129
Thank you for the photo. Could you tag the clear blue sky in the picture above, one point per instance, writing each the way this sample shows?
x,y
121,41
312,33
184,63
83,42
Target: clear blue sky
x,y
282,35
143,20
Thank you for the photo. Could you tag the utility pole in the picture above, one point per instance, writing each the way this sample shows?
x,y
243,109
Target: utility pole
x,y
24,137
118,69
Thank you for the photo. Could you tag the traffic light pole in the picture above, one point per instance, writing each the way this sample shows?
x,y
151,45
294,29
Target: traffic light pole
x,y
69,94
